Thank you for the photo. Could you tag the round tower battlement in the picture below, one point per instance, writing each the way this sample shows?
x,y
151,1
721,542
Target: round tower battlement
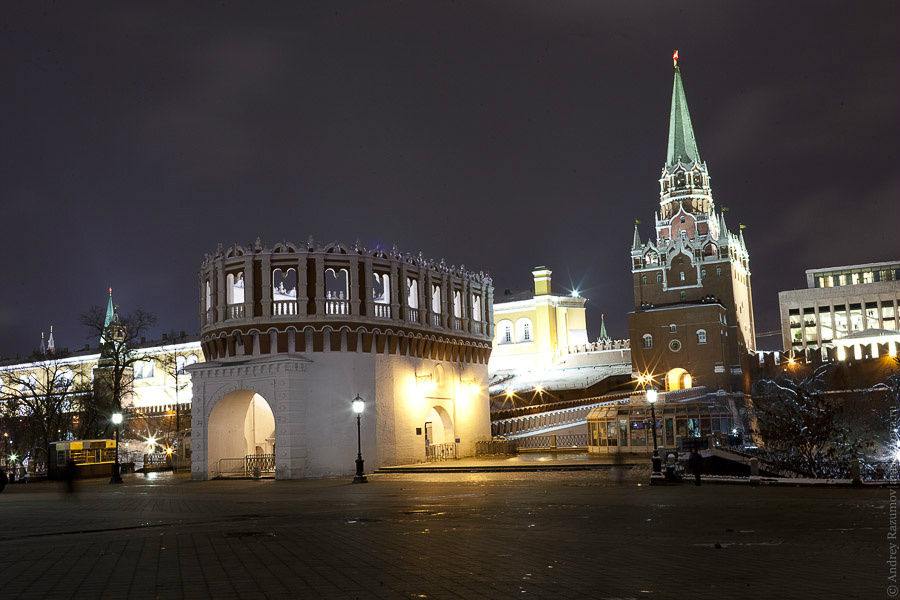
x,y
297,298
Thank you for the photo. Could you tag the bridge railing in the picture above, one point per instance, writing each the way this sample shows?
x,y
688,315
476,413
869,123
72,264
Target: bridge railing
x,y
569,440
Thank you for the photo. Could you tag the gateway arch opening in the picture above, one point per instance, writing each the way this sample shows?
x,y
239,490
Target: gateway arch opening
x,y
241,436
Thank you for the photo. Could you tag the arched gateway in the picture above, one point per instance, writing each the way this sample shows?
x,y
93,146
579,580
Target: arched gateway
x,y
286,354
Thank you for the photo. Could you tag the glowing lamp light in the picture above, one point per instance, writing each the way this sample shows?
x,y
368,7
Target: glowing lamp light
x,y
359,405
169,450
509,393
117,418
652,396
13,457
151,441
576,294
539,389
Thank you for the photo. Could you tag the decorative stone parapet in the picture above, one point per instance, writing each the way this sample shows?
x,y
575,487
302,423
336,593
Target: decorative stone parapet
x,y
293,298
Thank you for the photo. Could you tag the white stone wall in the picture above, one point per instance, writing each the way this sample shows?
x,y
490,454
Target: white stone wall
x,y
315,428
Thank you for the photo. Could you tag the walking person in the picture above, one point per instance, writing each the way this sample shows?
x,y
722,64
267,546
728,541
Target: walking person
x,y
695,462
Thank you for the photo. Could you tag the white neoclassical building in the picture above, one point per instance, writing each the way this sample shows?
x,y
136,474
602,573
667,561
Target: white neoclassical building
x,y
293,333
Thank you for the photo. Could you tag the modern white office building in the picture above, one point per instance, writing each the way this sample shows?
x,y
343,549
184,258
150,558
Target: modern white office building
x,y
849,311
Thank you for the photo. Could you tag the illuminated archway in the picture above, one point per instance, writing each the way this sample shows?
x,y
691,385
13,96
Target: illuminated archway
x,y
241,424
438,427
678,379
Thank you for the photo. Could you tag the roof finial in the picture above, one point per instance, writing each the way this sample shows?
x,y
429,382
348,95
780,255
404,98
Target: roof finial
x,y
110,290
675,59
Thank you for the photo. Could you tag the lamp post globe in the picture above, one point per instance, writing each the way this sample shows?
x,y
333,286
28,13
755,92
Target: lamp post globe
x,y
116,474
359,405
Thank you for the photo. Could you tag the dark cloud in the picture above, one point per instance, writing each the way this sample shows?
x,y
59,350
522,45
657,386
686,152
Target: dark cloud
x,y
499,135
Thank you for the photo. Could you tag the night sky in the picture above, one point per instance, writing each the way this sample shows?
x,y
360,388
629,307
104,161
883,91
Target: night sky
x,y
501,135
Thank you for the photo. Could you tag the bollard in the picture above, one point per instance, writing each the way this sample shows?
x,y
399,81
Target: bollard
x,y
754,471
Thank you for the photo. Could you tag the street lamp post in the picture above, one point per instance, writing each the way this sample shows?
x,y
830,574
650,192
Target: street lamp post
x,y
359,405
652,396
116,474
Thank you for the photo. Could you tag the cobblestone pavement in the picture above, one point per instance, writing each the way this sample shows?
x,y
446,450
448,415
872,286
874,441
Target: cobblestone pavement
x,y
498,535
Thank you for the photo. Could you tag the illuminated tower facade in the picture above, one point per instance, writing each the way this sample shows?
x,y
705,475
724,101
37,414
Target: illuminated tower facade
x,y
692,323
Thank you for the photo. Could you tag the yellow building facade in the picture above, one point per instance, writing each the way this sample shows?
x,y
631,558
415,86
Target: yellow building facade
x,y
534,331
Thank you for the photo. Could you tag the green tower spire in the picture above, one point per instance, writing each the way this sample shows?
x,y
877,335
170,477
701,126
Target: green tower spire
x,y
682,143
603,335
110,313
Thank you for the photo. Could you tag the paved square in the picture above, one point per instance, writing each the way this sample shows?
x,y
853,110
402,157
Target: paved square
x,y
497,535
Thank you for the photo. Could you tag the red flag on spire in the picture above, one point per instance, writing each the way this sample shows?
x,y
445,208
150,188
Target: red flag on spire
x,y
675,58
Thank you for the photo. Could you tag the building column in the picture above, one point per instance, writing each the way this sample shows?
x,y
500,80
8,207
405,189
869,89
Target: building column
x,y
367,287
320,285
396,288
220,289
420,283
353,283
404,293
446,301
266,274
301,286
249,295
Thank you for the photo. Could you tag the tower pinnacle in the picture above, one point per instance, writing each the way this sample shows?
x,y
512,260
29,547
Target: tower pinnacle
x,y
682,144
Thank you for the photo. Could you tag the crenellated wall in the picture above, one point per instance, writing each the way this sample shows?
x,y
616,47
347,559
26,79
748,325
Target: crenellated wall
x,y
342,298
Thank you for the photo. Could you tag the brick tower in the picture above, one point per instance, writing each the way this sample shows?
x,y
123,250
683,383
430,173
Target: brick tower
x,y
692,323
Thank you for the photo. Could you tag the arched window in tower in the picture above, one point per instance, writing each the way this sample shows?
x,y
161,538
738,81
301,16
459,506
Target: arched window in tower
x,y
682,218
648,341
457,304
476,307
644,279
523,331
412,285
436,299
683,234
284,291
336,292
209,302
659,278
683,296
234,288
505,332
381,288
718,271
701,336
702,273
681,276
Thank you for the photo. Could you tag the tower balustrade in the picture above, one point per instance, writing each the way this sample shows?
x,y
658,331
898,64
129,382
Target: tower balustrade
x,y
257,301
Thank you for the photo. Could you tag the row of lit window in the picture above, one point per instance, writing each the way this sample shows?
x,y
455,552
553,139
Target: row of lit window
x,y
839,278
842,321
523,331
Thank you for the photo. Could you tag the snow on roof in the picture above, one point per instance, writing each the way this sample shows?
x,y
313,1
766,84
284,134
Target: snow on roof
x,y
556,379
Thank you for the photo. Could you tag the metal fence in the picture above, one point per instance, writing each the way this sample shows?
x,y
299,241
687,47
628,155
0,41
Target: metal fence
x,y
570,440
440,452
252,465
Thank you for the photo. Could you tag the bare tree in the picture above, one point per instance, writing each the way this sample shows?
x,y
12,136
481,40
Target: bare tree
x,y
799,430
173,365
119,350
45,404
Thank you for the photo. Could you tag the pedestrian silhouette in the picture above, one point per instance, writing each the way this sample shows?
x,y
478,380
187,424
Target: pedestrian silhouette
x,y
69,476
695,462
